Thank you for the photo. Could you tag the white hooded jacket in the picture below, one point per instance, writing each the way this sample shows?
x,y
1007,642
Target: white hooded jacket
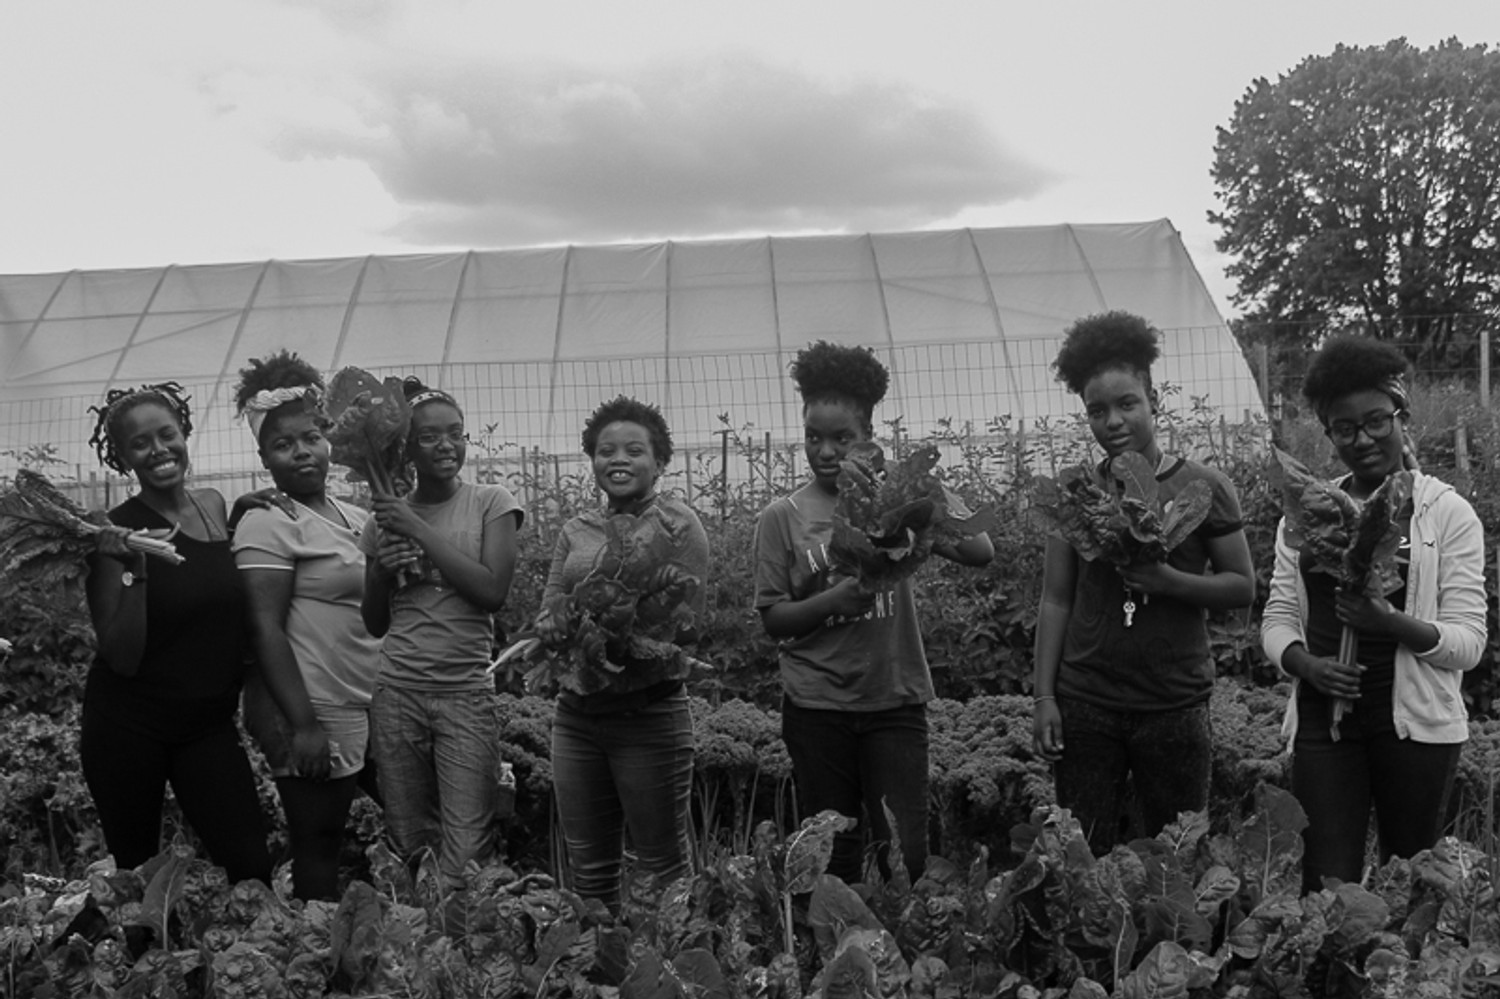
x,y
1444,587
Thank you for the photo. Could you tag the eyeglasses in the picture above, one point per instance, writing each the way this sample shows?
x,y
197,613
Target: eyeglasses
x,y
1376,427
432,438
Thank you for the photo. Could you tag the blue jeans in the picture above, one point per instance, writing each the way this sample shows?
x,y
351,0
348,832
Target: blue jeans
x,y
1168,755
617,772
436,755
1407,782
850,761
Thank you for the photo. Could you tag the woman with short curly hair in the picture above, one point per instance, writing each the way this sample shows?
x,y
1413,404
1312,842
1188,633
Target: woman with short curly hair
x,y
159,703
1123,672
854,671
622,757
1397,750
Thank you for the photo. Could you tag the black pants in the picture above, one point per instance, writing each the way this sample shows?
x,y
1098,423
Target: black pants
x,y
127,774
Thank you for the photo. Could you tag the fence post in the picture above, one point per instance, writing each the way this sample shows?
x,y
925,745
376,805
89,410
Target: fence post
x,y
723,474
1461,457
1484,367
770,486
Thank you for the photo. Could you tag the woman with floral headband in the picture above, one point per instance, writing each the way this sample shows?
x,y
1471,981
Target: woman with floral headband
x,y
308,700
435,737
159,702
1397,750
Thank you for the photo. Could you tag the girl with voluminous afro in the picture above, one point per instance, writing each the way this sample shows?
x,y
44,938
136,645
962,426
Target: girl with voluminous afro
x,y
826,372
1397,751
1107,340
1123,669
854,670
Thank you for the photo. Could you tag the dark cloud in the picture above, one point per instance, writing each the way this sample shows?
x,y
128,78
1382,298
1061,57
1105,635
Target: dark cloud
x,y
487,157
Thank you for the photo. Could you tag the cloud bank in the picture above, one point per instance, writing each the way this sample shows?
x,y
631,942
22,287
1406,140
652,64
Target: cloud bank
x,y
478,155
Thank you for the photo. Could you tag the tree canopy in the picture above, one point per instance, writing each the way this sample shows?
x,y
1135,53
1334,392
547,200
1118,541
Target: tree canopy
x,y
1364,187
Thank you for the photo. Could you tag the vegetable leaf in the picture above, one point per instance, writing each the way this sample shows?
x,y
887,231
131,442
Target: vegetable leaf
x,y
1116,514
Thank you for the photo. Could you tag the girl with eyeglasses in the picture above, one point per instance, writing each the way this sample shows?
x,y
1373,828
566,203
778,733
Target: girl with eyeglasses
x,y
437,569
1398,749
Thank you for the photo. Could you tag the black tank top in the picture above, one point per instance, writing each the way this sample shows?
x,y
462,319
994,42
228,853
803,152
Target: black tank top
x,y
193,663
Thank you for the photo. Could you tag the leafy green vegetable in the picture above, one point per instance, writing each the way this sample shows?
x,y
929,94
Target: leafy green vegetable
x,y
618,628
1116,513
888,517
370,422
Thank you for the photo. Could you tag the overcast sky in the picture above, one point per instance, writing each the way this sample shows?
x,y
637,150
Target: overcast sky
x,y
149,132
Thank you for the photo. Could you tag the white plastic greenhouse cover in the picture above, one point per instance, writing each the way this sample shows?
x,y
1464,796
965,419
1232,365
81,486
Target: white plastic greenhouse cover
x,y
531,340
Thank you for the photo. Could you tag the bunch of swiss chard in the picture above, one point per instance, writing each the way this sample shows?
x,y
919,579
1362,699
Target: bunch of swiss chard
x,y
1355,543
888,516
370,421
1116,513
618,628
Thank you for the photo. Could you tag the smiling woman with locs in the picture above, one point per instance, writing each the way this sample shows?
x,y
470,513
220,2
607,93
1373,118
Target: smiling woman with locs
x,y
1398,748
159,703
437,569
307,702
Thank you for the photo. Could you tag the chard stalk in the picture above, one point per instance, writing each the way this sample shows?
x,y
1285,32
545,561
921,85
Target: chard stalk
x,y
1348,655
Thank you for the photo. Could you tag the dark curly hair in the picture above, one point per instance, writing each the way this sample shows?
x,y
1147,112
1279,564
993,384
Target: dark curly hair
x,y
832,372
283,369
118,402
1348,364
1107,341
623,409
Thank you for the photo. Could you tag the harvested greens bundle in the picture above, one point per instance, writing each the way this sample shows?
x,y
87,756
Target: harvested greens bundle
x,y
887,517
617,628
39,524
1119,516
370,422
1355,544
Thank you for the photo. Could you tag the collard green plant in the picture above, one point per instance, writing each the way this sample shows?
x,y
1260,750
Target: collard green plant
x,y
1116,514
370,422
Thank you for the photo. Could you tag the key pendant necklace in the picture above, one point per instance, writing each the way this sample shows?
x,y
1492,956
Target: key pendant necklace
x,y
1129,607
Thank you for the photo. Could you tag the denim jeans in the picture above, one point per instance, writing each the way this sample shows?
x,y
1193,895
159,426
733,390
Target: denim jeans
x,y
850,761
1407,782
614,773
1167,754
436,755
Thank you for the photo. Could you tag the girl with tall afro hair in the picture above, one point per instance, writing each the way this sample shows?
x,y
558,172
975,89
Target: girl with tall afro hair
x,y
1397,751
1123,671
307,702
440,564
622,758
160,699
853,667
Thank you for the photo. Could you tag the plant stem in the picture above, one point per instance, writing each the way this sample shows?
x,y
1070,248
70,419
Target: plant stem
x,y
1348,655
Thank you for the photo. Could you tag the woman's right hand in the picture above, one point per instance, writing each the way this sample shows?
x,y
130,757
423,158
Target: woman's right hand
x,y
1328,676
311,755
1047,730
396,552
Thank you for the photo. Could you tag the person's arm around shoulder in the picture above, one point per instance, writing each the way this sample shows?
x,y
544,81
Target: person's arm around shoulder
x,y
1059,579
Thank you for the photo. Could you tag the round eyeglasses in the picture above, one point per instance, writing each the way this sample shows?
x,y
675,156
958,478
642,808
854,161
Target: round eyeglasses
x,y
1376,426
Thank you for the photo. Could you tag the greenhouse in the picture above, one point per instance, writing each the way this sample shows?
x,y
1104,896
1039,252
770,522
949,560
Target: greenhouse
x,y
530,340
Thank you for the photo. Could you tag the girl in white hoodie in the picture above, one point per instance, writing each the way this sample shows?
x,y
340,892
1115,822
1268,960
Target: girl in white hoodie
x,y
1397,750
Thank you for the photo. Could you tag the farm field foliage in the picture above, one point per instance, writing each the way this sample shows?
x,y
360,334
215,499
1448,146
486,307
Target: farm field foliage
x,y
1012,902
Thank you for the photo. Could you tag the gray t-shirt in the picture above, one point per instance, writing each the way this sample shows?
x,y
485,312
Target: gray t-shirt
x,y
438,640
870,663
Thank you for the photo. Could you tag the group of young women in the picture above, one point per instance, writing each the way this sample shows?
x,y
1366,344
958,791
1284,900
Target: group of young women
x,y
362,639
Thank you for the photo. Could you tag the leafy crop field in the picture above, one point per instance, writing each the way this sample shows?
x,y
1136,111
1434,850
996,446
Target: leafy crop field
x,y
1012,904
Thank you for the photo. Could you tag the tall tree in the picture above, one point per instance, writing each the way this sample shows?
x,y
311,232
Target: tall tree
x,y
1364,187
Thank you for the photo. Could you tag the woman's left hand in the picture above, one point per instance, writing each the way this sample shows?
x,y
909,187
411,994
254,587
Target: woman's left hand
x,y
1371,615
269,498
